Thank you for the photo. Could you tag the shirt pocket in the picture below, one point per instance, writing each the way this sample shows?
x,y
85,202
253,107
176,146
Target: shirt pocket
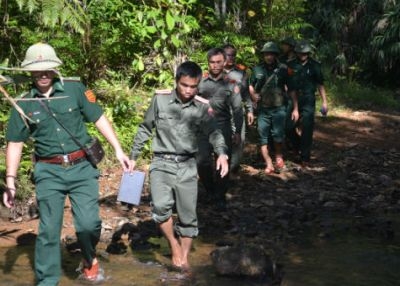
x,y
41,121
69,114
165,120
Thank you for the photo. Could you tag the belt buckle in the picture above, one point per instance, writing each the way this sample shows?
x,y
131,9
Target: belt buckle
x,y
176,159
66,162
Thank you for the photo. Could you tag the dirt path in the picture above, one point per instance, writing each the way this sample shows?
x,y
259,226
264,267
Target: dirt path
x,y
356,153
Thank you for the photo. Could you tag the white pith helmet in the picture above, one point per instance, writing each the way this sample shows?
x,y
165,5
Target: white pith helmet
x,y
40,56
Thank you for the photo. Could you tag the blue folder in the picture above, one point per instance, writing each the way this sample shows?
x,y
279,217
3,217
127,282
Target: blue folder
x,y
131,187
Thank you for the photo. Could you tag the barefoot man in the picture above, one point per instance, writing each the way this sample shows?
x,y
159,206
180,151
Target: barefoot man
x,y
178,118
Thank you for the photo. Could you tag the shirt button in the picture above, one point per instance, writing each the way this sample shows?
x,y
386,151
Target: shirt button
x,y
58,129
62,144
70,109
37,120
54,114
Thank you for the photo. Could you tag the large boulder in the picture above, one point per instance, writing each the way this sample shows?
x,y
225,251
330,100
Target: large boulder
x,y
243,260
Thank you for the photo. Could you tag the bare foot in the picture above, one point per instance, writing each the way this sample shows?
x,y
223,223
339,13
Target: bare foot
x,y
185,267
176,252
270,166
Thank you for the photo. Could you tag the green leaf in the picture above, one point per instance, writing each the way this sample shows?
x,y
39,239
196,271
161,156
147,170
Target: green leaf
x,y
157,44
175,41
151,29
170,20
140,64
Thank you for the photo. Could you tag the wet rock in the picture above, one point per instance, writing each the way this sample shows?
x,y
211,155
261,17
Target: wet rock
x,y
378,198
386,180
116,247
33,211
249,260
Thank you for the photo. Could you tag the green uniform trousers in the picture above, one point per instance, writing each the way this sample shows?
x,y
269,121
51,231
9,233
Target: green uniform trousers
x,y
304,142
271,123
175,183
53,183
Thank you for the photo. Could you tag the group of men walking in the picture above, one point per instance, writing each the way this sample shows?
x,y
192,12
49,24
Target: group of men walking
x,y
197,130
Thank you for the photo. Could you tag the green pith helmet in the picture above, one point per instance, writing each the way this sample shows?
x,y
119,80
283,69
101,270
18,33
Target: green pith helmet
x,y
289,41
270,47
40,57
302,47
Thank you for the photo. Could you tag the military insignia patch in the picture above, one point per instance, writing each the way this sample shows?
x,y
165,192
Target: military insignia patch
x,y
91,97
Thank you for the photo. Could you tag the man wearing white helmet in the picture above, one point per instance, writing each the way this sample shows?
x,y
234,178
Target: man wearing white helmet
x,y
54,111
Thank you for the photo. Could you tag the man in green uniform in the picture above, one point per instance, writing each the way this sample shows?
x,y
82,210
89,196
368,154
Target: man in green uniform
x,y
268,83
308,76
225,101
178,119
61,167
238,73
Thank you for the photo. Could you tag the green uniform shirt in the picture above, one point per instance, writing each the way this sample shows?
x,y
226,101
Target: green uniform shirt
x,y
177,127
48,136
270,82
308,76
224,96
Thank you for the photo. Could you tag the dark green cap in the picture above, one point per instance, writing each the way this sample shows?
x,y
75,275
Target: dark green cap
x,y
302,47
270,47
289,41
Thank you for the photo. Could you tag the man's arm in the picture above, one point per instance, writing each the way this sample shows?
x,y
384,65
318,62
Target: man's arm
x,y
322,93
295,112
105,128
237,113
13,158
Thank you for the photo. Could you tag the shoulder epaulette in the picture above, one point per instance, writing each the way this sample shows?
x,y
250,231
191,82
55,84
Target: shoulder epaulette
x,y
72,78
201,99
163,91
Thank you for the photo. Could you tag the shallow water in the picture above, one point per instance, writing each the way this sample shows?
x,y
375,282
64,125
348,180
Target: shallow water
x,y
351,260
346,260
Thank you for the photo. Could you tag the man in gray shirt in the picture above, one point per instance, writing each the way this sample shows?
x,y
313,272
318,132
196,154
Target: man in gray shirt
x,y
178,119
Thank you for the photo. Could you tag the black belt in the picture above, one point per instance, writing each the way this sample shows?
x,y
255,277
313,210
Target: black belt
x,y
178,158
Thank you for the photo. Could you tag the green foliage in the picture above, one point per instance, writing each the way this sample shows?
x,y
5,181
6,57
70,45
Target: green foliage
x,y
343,93
364,34
70,14
124,107
245,46
166,33
385,45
